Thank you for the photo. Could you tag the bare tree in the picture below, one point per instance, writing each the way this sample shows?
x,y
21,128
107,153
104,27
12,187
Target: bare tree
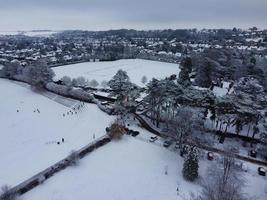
x,y
81,81
66,80
104,84
223,182
185,123
94,83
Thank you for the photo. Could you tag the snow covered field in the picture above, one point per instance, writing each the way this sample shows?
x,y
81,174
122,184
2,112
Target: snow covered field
x,y
29,33
129,169
135,68
28,138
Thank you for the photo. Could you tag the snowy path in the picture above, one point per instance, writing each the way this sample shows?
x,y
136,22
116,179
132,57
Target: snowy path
x,y
202,146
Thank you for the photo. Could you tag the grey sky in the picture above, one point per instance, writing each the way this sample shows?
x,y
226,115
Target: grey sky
x,y
138,14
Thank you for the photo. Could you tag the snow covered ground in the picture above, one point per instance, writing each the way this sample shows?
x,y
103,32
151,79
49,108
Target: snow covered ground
x,y
135,68
219,92
28,138
130,169
29,33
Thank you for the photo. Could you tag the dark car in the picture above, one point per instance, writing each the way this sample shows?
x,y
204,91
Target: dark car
x,y
262,171
129,132
135,133
253,153
167,143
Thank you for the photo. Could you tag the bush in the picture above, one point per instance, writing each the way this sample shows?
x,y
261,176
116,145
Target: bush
x,y
58,89
6,193
73,158
68,91
41,179
80,94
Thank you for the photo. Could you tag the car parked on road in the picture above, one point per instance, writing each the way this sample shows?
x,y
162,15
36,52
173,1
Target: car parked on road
x,y
167,143
262,171
104,103
129,132
153,139
135,133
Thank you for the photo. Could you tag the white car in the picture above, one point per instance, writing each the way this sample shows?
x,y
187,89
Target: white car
x,y
153,139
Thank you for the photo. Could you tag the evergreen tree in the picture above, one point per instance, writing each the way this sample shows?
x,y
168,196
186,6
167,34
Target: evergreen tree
x,y
190,168
120,84
204,75
186,69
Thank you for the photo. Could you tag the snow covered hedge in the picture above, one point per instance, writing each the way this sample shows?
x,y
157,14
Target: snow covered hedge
x,y
81,94
69,92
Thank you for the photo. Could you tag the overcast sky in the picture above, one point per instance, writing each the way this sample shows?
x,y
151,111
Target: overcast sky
x,y
137,14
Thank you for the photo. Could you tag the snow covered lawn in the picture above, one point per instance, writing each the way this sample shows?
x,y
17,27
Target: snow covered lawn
x,y
136,69
127,169
29,33
130,169
28,138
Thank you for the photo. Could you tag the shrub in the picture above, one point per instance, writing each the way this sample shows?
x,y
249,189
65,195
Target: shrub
x,y
41,179
6,193
73,158
68,91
